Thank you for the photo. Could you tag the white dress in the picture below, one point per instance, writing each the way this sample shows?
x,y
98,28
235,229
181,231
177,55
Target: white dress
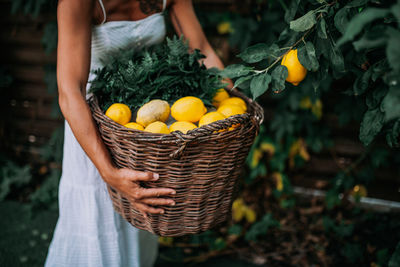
x,y
89,233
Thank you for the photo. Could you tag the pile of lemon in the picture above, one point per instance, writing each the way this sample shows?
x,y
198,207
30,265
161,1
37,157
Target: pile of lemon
x,y
186,113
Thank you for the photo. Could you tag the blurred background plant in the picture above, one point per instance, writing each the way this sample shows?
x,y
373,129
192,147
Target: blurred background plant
x,y
336,131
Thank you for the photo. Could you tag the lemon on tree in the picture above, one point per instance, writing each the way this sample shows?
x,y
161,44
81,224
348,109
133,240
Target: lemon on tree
x,y
154,110
183,126
220,96
134,125
296,71
157,127
234,101
188,108
120,113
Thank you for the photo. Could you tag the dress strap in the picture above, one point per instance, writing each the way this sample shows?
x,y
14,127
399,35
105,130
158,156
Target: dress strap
x,y
104,11
164,5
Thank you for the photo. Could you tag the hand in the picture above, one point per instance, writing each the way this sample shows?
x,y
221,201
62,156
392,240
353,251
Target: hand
x,y
127,181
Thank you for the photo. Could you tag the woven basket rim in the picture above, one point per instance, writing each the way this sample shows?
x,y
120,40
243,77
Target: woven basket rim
x,y
208,129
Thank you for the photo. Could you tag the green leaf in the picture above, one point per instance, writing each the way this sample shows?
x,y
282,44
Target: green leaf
x,y
307,57
392,49
254,53
235,70
235,229
279,75
242,80
372,38
261,227
391,104
371,125
393,135
259,84
291,12
321,29
341,19
357,3
395,9
362,82
304,23
336,58
359,21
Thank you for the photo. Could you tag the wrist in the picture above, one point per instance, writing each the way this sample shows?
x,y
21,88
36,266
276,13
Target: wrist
x,y
107,173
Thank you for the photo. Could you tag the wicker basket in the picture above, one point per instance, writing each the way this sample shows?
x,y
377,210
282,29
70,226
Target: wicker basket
x,y
202,166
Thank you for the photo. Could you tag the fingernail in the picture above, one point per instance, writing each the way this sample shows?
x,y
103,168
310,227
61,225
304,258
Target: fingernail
x,y
162,212
172,203
173,192
155,176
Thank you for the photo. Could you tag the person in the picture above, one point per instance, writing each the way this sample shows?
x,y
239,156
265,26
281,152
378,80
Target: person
x,y
88,231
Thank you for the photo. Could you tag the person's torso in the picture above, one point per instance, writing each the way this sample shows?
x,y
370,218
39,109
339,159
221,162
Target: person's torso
x,y
109,37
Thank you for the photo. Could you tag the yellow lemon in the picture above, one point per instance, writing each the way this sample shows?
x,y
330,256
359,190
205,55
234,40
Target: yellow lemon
x,y
250,215
277,176
359,191
134,125
268,147
238,210
157,127
296,71
234,101
230,110
224,27
154,110
220,96
210,117
120,113
183,126
188,108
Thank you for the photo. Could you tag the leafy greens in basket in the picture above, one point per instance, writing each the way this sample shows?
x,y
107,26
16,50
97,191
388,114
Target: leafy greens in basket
x,y
165,71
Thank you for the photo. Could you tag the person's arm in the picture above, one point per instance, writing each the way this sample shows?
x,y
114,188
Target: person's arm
x,y
73,63
185,22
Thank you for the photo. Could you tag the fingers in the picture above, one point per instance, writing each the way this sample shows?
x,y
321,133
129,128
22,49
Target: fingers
x,y
153,192
145,208
158,201
145,176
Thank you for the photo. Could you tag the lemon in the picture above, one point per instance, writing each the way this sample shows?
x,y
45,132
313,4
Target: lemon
x,y
183,126
188,108
359,191
157,127
230,110
154,110
250,215
220,96
234,101
120,113
210,117
224,27
277,176
296,71
134,125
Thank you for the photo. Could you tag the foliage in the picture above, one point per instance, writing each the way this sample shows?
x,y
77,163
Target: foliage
x,y
317,36
12,177
165,71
